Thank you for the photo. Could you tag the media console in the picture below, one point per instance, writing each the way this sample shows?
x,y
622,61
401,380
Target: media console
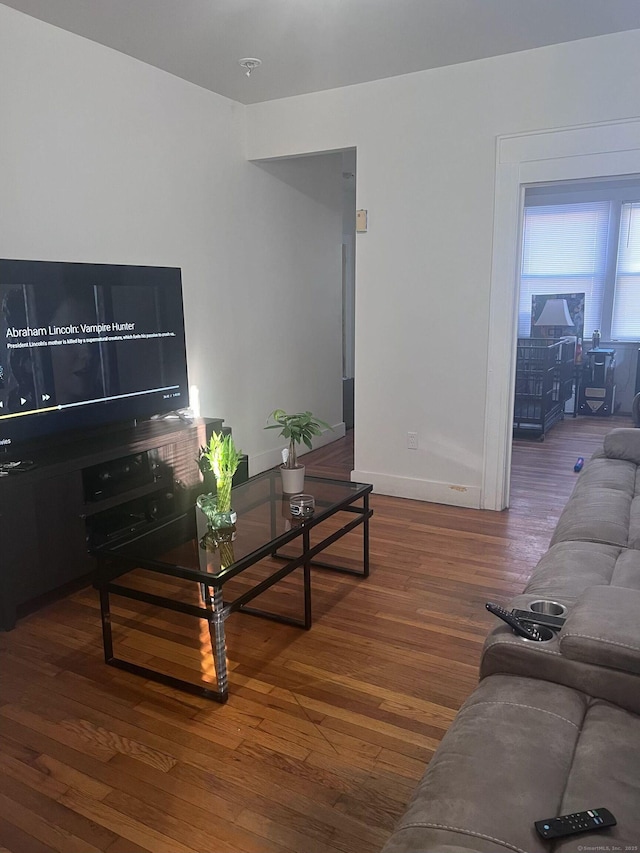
x,y
91,491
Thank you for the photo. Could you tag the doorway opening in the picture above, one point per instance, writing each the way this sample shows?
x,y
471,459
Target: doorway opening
x,y
606,151
324,303
578,303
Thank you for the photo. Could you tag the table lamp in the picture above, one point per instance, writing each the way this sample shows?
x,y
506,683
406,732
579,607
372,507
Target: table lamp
x,y
555,317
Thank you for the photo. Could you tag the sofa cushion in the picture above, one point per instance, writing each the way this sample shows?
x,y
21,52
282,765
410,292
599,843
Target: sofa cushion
x,y
627,570
607,473
595,515
623,444
604,771
475,793
568,568
521,750
602,628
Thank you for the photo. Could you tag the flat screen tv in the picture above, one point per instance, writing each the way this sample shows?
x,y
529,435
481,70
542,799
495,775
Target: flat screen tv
x,y
86,345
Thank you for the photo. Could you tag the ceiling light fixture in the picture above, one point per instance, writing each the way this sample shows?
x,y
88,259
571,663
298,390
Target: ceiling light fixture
x,y
249,64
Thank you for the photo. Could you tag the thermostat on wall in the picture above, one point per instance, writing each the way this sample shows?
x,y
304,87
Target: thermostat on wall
x,y
361,221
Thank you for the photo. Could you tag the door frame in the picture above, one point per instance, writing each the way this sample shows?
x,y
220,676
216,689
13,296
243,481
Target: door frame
x,y
604,150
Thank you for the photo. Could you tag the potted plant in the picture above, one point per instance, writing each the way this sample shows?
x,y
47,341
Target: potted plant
x,y
220,457
298,428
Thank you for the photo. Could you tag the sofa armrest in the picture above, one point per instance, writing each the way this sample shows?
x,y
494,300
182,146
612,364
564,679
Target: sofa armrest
x,y
623,443
603,628
605,670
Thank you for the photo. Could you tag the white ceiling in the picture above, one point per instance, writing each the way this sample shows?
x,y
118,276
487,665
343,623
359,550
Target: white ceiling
x,y
309,45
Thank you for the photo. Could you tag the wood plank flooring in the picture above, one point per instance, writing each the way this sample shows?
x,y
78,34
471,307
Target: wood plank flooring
x,y
325,733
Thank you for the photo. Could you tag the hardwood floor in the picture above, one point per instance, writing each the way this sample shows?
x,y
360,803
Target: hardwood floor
x,y
325,733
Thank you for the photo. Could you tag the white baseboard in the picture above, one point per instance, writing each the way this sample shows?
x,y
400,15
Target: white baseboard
x,y
420,490
270,458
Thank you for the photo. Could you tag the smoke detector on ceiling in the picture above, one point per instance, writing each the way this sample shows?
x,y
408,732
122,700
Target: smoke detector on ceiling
x,y
249,64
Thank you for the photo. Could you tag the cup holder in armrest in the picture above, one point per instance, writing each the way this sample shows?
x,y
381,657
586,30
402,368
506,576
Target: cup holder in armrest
x,y
547,608
545,634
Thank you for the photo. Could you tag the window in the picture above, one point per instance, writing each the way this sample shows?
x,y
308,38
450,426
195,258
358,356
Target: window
x,y
590,246
564,250
625,323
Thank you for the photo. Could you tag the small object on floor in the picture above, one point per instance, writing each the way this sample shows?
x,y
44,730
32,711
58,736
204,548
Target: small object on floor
x,y
579,463
572,824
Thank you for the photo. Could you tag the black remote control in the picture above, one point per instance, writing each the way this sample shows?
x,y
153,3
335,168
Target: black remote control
x,y
554,622
572,824
523,630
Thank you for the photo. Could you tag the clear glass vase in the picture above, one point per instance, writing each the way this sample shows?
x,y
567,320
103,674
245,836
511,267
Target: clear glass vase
x,y
218,516
221,529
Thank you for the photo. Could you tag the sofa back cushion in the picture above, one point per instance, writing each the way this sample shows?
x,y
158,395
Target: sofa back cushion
x,y
595,515
603,628
623,444
606,473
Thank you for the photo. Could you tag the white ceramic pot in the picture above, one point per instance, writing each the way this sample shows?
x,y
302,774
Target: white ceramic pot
x,y
292,480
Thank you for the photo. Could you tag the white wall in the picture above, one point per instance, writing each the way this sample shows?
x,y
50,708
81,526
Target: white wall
x,y
426,147
106,159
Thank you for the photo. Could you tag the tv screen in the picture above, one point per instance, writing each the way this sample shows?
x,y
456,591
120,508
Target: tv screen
x,y
84,345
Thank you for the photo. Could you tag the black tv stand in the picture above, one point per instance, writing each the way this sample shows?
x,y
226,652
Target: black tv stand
x,y
90,490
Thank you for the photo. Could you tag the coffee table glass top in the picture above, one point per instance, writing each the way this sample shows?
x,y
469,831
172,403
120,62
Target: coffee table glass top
x,y
182,546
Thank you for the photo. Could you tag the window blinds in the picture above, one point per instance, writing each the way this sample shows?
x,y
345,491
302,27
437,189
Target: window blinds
x,y
625,323
564,250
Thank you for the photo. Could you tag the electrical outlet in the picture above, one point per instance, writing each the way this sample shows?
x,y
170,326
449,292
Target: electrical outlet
x,y
412,440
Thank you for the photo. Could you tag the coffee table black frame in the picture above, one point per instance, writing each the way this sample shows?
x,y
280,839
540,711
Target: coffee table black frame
x,y
117,559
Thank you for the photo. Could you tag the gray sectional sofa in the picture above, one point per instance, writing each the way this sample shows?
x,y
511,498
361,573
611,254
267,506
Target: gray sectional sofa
x,y
554,726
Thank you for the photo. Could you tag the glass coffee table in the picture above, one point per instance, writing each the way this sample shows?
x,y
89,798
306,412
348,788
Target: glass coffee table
x,y
185,547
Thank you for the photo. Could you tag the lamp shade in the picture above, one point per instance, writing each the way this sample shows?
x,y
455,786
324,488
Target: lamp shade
x,y
555,313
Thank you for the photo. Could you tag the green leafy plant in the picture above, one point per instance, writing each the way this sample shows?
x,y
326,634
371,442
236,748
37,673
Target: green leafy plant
x,y
221,457
299,428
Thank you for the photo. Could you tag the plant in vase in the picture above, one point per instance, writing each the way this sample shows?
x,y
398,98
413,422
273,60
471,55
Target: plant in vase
x,y
220,457
299,428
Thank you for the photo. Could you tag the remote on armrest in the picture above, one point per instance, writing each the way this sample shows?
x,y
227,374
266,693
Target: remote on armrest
x,y
529,632
572,824
554,622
